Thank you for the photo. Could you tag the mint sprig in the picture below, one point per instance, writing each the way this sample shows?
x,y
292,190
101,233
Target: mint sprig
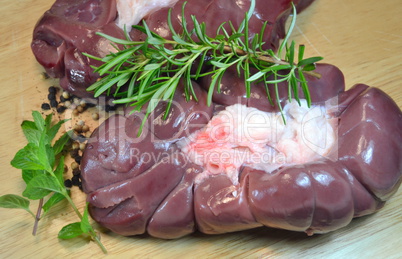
x,y
42,166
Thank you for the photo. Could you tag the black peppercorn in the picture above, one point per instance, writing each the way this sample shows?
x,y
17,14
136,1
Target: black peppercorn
x,y
109,108
75,180
45,106
61,109
68,183
76,171
78,159
52,90
74,153
51,96
53,103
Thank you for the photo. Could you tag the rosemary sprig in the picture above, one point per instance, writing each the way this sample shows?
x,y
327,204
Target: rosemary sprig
x,y
152,68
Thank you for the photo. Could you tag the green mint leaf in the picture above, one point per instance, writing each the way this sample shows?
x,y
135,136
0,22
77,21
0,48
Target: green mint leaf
x,y
85,226
12,201
61,142
40,186
45,153
39,121
56,198
28,175
32,134
28,125
27,158
60,171
52,131
70,231
48,121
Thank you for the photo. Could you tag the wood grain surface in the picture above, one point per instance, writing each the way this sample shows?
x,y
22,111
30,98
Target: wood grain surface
x,y
362,37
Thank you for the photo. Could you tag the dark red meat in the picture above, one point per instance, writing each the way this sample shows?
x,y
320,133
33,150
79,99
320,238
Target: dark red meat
x,y
232,89
69,28
214,13
144,184
356,179
66,31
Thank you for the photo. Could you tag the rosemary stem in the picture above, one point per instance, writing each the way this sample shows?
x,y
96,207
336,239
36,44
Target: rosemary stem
x,y
268,59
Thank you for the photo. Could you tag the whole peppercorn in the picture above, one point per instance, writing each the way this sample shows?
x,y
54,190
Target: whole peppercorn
x,y
85,128
82,146
45,106
67,104
95,116
51,96
52,90
53,103
75,112
74,153
61,109
76,101
76,172
77,128
83,103
77,159
75,180
74,165
68,183
80,109
109,108
65,95
75,145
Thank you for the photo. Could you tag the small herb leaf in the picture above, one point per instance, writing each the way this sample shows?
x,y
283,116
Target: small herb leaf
x,y
39,121
28,175
60,171
54,129
40,186
12,201
70,231
54,199
32,134
85,225
37,161
27,158
61,142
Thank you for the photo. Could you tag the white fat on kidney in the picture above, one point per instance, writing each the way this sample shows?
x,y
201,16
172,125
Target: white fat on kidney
x,y
244,136
131,12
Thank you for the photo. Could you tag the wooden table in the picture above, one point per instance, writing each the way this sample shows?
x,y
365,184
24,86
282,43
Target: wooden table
x,y
362,37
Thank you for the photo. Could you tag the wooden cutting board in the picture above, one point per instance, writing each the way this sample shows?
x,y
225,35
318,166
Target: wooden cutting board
x,y
362,37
